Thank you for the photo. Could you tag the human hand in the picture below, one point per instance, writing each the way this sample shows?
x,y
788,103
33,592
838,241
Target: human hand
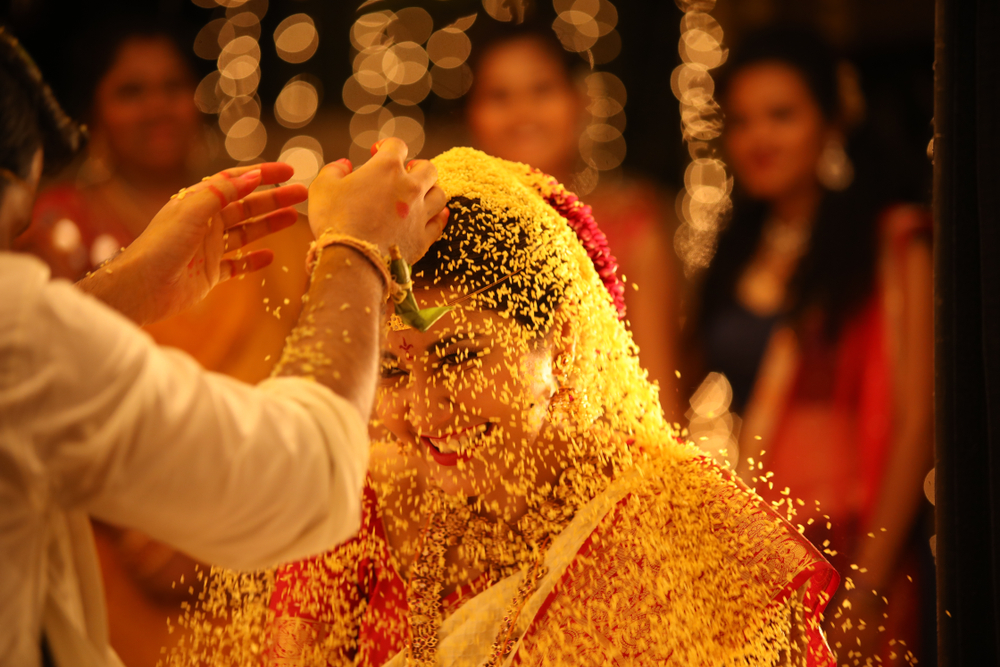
x,y
385,202
187,248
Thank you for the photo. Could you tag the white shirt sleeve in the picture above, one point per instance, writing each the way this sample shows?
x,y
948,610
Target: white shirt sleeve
x,y
142,437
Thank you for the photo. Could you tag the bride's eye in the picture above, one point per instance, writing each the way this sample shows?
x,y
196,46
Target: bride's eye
x,y
458,357
390,370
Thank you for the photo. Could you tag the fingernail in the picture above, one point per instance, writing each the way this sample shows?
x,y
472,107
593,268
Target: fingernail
x,y
347,163
251,176
377,145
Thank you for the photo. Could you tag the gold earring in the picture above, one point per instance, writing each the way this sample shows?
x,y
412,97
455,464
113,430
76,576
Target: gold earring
x,y
834,169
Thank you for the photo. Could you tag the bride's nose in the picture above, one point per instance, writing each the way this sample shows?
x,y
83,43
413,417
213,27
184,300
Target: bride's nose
x,y
427,401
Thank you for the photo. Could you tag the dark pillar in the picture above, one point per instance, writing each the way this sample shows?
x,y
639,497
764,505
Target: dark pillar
x,y
967,329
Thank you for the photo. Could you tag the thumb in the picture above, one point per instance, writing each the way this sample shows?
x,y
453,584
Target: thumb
x,y
338,169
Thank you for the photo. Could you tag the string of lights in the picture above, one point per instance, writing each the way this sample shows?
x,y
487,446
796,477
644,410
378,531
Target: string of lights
x,y
704,201
702,205
398,59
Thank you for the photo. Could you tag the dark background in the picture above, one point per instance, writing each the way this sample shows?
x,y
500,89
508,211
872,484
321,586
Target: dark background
x,y
890,42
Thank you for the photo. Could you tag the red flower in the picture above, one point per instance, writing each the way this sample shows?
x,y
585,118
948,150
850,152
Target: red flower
x,y
581,220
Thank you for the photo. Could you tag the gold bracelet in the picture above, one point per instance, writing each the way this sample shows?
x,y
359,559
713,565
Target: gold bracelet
x,y
368,250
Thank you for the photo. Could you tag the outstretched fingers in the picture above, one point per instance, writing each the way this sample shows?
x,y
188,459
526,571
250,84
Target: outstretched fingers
x,y
261,203
208,198
215,193
230,267
258,228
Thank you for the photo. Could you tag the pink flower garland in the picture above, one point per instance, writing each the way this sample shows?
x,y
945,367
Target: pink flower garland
x,y
581,220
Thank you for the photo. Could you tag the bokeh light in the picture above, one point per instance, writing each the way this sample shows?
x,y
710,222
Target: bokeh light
x,y
297,103
412,24
506,10
449,48
359,98
236,109
246,139
369,29
711,426
231,90
414,93
405,63
242,24
704,202
305,155
208,96
296,38
602,145
207,43
451,83
257,7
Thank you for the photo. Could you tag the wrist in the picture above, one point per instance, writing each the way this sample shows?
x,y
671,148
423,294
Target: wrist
x,y
342,263
365,251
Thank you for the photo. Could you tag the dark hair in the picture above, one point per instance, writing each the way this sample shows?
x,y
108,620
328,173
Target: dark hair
x,y
800,48
466,257
30,117
837,272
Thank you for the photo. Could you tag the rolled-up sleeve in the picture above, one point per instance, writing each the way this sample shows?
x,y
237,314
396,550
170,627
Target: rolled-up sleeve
x,y
140,436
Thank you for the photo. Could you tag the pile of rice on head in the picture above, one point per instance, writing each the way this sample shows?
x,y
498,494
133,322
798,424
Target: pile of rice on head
x,y
568,443
553,279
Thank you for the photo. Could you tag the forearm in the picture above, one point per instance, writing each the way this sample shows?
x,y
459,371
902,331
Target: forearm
x,y
898,506
336,340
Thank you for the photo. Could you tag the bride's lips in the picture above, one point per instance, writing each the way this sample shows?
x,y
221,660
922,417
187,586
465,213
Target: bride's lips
x,y
452,458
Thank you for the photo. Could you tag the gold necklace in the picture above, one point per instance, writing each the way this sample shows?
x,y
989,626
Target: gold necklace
x,y
492,546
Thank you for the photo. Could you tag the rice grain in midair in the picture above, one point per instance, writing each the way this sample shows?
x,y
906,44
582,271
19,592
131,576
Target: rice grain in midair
x,y
632,547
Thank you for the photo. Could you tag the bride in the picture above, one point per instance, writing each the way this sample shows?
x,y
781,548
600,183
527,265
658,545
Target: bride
x,y
532,506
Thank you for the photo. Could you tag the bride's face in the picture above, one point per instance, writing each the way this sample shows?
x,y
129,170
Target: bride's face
x,y
470,396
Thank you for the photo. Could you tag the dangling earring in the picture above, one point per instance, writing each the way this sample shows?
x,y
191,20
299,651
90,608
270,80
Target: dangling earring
x,y
834,169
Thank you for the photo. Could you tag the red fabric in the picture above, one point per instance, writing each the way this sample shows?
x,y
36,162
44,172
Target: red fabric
x,y
379,586
850,381
787,561
833,439
603,573
66,202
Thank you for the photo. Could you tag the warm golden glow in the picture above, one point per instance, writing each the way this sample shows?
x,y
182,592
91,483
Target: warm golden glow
x,y
208,96
296,38
305,155
236,109
449,48
704,201
712,427
246,139
506,10
297,103
359,98
412,24
602,146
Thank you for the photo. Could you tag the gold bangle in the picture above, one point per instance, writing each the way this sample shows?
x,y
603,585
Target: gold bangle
x,y
368,250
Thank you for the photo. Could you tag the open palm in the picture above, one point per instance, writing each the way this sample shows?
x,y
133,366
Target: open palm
x,y
194,242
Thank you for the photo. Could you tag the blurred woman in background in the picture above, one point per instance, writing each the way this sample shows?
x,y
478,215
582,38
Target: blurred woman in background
x,y
148,140
818,309
526,107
